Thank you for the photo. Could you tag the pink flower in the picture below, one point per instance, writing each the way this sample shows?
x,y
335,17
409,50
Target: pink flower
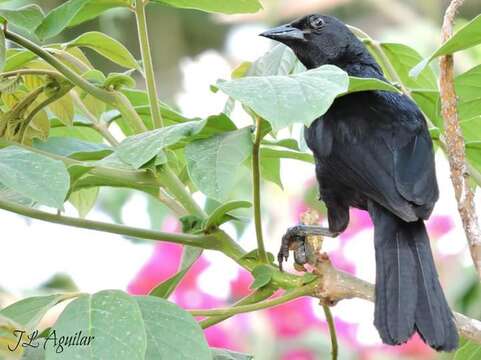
x,y
293,318
439,225
299,354
240,287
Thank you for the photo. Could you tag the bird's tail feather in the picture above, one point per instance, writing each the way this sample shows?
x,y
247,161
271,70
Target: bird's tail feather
x,y
409,297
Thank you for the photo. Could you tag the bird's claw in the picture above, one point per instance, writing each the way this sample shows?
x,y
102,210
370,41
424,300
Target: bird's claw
x,y
293,240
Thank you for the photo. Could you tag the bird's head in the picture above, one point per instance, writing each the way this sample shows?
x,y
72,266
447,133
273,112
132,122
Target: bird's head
x,y
318,40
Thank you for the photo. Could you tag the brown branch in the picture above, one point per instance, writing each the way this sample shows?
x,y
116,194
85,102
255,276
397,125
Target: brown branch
x,y
455,144
336,285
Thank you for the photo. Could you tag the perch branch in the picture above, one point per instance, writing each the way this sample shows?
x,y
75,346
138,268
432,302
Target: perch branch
x,y
455,144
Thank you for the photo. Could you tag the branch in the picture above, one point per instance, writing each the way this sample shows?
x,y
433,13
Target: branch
x,y
147,62
256,175
201,241
455,144
336,285
288,296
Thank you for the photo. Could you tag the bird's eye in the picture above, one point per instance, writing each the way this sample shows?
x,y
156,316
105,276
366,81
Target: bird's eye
x,y
316,22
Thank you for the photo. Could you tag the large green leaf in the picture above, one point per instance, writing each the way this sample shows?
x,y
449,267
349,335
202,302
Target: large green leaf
x,y
285,99
223,6
403,58
26,17
125,327
113,318
107,47
213,163
35,176
467,36
139,149
172,333
28,312
59,18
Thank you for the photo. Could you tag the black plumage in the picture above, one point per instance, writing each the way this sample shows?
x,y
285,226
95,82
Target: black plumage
x,y
373,152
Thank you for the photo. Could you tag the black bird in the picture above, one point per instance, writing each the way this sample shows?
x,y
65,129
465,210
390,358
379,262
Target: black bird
x,y
373,152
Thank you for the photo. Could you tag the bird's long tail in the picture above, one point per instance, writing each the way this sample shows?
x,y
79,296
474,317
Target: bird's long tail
x,y
408,293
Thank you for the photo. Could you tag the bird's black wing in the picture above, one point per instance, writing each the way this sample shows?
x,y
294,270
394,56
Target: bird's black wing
x,y
379,145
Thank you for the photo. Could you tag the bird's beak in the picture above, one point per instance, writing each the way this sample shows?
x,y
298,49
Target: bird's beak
x,y
283,33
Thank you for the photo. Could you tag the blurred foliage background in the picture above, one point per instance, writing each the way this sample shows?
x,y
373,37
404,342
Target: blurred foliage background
x,y
191,49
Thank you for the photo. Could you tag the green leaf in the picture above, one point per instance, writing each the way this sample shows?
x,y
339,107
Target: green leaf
x,y
469,351
286,99
428,102
13,196
35,176
77,132
270,167
112,317
26,17
213,163
59,18
117,81
285,143
64,110
84,200
403,58
216,218
18,60
224,354
224,6
468,86
262,276
365,84
280,60
107,47
28,312
139,149
172,333
95,8
287,154
166,288
467,36
73,148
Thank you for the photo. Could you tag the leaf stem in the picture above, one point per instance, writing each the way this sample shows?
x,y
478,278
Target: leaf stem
x,y
255,297
147,62
332,332
202,241
288,296
256,191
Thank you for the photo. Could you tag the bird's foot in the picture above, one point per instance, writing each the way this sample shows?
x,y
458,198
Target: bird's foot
x,y
295,240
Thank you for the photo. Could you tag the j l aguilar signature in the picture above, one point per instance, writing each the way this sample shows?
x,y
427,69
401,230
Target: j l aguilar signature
x,y
59,343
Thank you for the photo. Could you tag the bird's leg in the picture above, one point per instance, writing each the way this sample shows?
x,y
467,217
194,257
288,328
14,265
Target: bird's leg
x,y
294,239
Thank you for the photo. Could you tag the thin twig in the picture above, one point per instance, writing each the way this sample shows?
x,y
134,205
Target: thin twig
x,y
288,296
455,144
257,192
332,331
